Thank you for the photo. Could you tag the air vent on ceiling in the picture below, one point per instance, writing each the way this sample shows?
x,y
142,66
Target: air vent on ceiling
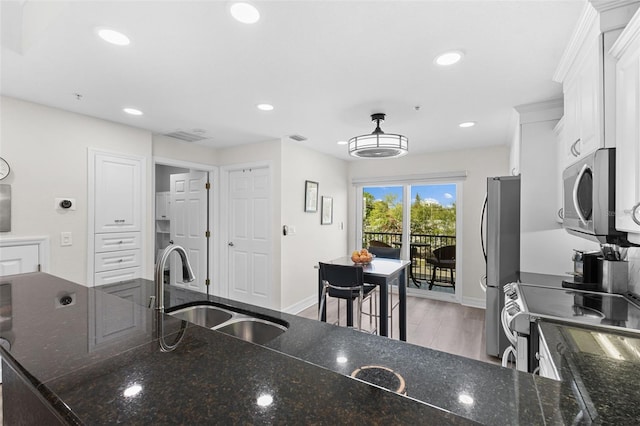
x,y
186,136
298,138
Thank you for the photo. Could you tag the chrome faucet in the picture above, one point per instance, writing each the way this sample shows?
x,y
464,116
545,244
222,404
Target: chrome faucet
x,y
187,276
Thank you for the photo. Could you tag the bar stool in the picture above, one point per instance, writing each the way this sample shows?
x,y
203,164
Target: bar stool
x,y
345,282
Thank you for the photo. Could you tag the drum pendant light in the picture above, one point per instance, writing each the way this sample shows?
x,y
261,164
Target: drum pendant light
x,y
378,144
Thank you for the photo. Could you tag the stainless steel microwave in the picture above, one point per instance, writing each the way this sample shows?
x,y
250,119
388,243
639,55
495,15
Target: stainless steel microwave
x,y
590,198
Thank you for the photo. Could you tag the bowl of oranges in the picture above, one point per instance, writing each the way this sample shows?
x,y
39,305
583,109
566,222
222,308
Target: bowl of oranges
x,y
361,257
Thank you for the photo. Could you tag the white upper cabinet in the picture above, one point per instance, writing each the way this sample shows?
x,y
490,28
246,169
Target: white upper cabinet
x,y
118,193
627,52
582,100
587,73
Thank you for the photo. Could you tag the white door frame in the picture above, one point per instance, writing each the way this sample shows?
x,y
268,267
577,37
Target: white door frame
x,y
214,212
224,219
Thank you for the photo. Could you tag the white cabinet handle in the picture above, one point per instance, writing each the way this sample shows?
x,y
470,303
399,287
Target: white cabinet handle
x,y
574,148
634,216
575,195
483,282
561,213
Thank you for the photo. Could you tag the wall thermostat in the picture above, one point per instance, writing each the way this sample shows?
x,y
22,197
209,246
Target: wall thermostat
x,y
65,203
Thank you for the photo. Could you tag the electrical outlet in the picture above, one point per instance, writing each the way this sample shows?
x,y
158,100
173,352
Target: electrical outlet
x,y
66,239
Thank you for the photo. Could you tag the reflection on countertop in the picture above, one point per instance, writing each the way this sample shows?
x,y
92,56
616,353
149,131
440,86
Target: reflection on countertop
x,y
101,347
600,368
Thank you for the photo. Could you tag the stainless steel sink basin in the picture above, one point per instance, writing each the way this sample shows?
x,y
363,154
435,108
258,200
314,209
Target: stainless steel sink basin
x,y
203,315
254,330
241,325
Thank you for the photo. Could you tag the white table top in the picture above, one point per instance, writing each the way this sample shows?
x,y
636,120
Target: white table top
x,y
379,266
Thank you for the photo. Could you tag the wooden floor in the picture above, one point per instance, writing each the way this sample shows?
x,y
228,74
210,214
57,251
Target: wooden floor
x,y
444,326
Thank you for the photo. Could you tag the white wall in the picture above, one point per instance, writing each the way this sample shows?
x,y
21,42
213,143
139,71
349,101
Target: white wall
x,y
47,150
545,247
176,149
312,242
479,164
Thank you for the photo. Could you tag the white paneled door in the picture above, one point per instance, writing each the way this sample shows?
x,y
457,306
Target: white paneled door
x,y
19,259
249,236
188,227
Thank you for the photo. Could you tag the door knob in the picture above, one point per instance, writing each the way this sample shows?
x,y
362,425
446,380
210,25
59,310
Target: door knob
x,y
231,244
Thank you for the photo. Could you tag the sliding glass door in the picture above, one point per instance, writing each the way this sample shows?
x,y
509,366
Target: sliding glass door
x,y
421,219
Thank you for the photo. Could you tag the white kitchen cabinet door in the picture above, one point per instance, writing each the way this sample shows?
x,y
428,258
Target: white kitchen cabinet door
x,y
162,206
118,193
571,131
19,259
628,132
591,101
583,106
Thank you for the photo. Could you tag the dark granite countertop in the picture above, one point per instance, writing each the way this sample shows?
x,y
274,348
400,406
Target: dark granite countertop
x,y
83,356
600,370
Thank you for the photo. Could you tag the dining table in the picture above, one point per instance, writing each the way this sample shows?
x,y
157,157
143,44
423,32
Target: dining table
x,y
381,272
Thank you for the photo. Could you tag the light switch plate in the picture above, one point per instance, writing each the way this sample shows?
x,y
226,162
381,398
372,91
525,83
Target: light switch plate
x,y
66,239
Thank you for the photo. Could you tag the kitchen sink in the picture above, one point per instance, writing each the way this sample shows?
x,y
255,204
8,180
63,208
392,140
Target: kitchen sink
x,y
241,325
253,330
203,315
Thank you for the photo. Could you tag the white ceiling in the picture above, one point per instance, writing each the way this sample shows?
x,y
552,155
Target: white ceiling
x,y
324,65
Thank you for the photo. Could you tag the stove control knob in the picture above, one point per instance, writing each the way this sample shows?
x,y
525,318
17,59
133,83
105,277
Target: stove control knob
x,y
512,294
507,287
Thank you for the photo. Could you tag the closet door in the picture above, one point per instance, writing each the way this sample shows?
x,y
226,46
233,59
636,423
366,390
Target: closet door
x,y
118,199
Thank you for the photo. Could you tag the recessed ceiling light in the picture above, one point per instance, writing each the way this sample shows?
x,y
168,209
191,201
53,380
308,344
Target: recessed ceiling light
x,y
113,36
132,111
265,107
245,13
467,124
449,58
342,142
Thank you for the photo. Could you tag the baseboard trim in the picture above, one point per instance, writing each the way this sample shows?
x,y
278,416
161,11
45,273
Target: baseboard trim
x,y
474,302
300,306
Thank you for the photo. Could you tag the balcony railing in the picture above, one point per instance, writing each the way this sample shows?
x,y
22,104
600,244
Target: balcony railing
x,y
422,246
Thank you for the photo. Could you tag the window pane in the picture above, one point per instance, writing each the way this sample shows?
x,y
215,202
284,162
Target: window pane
x,y
433,234
382,216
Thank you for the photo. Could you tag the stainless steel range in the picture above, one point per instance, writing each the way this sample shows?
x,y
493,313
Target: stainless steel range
x,y
526,303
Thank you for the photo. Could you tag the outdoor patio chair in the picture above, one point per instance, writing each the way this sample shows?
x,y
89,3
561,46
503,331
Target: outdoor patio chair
x,y
444,259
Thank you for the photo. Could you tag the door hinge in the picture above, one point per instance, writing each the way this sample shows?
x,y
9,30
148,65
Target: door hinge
x,y
207,185
207,234
207,282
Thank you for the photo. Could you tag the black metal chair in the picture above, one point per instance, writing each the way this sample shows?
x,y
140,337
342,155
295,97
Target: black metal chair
x,y
388,253
345,282
444,258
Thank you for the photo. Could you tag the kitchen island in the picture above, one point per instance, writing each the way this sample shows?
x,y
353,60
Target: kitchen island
x,y
83,355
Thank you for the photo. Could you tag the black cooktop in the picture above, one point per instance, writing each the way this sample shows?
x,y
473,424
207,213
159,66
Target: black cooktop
x,y
612,310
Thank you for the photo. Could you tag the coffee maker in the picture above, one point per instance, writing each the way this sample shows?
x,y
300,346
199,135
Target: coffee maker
x,y
587,271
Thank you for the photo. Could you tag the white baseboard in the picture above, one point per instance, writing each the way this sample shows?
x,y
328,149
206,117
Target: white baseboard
x,y
301,305
474,302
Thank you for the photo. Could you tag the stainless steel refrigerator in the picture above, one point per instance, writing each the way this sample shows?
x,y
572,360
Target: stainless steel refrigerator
x,y
502,253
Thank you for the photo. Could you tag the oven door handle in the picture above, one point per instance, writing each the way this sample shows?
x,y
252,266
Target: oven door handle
x,y
576,204
511,335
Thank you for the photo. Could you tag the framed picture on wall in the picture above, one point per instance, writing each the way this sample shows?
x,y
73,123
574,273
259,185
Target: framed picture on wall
x,y
327,211
310,196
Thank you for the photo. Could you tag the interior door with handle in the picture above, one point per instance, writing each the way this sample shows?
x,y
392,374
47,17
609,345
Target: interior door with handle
x,y
249,245
188,226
